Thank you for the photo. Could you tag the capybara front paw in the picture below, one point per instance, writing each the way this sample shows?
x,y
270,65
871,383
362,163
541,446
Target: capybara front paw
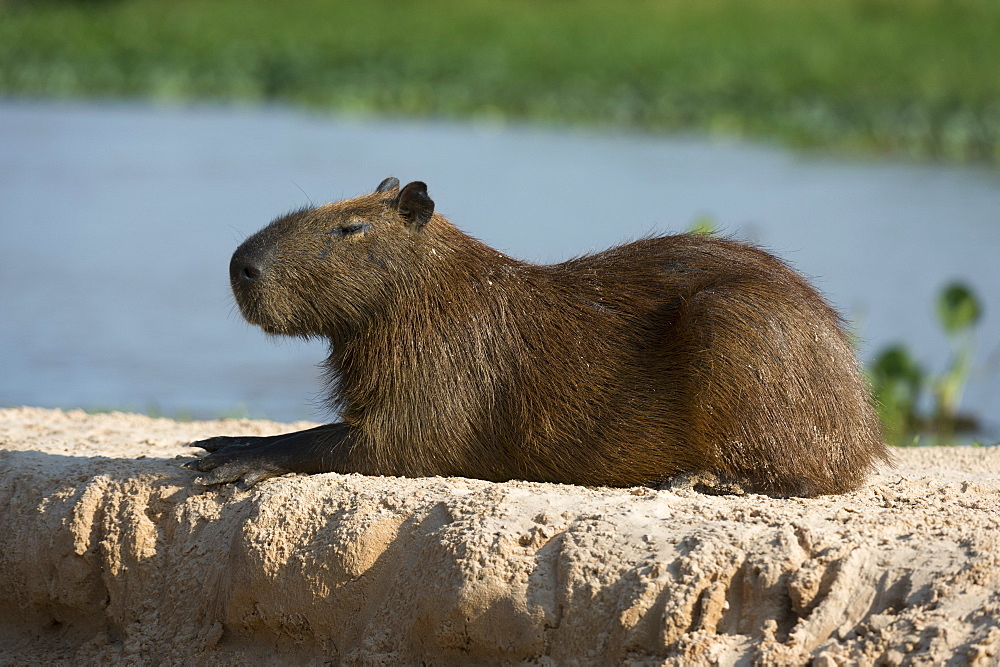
x,y
223,441
234,463
241,473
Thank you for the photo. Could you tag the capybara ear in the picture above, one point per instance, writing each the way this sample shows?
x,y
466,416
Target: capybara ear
x,y
415,207
388,185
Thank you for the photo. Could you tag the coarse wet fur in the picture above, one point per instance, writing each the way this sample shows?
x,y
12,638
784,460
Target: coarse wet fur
x,y
668,355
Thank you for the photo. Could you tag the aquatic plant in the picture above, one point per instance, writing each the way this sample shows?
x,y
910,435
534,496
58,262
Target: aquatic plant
x,y
916,405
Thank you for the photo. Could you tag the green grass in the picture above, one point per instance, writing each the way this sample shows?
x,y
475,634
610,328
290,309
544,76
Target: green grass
x,y
917,77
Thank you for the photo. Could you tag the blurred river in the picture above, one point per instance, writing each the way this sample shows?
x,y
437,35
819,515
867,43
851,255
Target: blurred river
x,y
117,222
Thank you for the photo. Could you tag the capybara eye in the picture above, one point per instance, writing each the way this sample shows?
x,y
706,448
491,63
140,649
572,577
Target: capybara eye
x,y
353,228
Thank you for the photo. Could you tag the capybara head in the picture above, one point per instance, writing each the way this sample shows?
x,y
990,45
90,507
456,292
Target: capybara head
x,y
319,271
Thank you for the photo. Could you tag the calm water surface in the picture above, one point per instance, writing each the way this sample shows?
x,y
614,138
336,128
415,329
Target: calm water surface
x,y
117,223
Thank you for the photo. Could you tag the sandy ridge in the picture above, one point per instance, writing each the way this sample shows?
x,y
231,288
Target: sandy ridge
x,y
106,556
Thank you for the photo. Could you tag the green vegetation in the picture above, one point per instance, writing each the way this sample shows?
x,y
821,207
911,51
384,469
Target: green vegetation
x,y
917,78
901,384
704,225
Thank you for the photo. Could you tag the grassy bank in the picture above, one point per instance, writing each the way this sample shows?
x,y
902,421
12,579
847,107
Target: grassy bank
x,y
917,78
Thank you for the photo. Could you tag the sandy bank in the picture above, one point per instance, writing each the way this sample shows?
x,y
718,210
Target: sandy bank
x,y
109,554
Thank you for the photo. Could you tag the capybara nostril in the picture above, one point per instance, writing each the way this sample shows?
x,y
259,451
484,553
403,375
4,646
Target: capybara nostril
x,y
247,264
250,273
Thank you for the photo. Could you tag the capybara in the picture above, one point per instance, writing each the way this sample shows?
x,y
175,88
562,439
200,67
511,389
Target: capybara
x,y
671,355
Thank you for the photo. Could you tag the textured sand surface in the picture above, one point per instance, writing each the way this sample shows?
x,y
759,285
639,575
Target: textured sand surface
x,y
109,554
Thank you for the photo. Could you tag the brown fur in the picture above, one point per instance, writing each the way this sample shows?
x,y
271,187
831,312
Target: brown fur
x,y
667,355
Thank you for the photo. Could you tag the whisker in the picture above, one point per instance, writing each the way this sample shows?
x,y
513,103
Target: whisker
x,y
312,204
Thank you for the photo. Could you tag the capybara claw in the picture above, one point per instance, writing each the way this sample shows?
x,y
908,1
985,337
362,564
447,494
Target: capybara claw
x,y
193,465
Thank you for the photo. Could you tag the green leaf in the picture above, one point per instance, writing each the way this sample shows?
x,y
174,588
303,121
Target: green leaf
x,y
959,309
894,365
703,225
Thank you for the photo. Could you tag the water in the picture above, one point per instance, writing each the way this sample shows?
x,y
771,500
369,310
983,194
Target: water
x,y
117,223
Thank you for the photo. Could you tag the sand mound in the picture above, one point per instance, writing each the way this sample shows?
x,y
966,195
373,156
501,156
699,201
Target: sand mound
x,y
109,554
